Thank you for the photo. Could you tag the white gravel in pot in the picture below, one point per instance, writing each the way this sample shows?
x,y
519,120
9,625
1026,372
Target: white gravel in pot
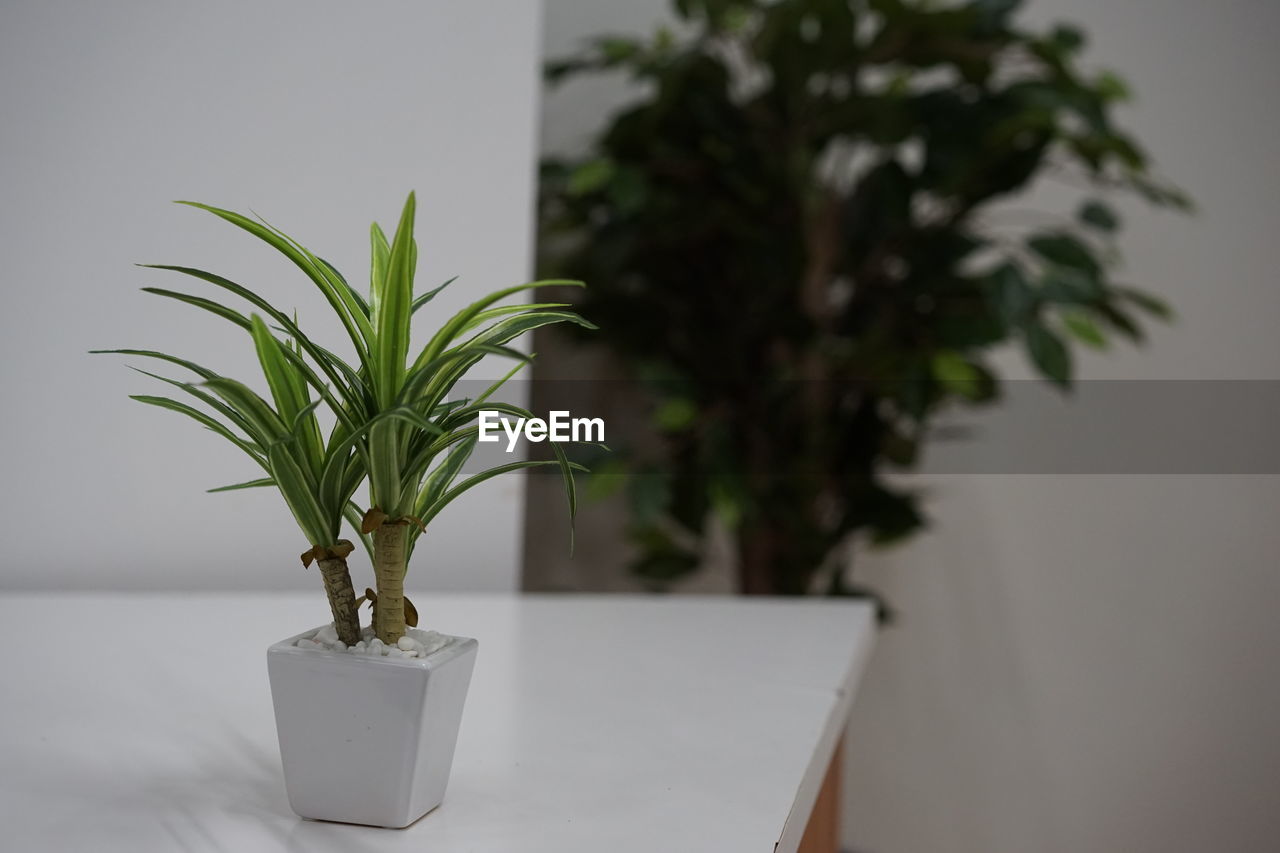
x,y
415,643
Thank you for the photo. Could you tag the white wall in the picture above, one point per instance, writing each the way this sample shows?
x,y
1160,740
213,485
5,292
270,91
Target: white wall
x,y
1088,662
318,115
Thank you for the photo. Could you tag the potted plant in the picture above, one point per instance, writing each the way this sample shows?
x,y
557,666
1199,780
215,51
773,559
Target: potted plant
x,y
800,224
367,717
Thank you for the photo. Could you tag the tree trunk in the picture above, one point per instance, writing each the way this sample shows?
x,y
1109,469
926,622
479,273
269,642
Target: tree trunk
x,y
757,550
342,598
390,553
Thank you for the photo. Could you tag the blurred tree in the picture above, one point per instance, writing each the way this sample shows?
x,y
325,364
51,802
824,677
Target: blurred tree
x,y
787,246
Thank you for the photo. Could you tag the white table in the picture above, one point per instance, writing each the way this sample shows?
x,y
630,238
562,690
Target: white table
x,y
594,724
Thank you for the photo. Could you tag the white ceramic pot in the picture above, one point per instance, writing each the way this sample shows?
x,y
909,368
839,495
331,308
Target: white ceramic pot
x,y
368,739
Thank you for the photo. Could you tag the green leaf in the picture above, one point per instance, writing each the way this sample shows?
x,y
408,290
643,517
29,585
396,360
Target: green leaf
x,y
649,495
1110,87
411,416
1099,215
467,413
492,389
299,493
200,302
443,475
507,310
509,329
954,372
286,386
1120,321
1149,303
590,176
427,384
1160,193
336,483
380,254
1011,292
252,449
346,383
675,414
996,12
1084,330
1067,37
304,423
1067,286
352,301
460,321
570,487
209,400
420,460
361,306
606,479
386,485
343,304
615,49
1048,353
476,479
1065,250
394,302
202,372
252,407
248,484
227,412
391,489
423,299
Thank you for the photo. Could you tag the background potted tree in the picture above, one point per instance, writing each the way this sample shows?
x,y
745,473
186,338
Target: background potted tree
x,y
789,232
367,718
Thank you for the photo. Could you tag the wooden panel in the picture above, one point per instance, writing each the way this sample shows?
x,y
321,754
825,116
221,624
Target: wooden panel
x,y
822,835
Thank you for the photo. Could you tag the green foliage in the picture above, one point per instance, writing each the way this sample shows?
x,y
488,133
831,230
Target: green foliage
x,y
394,422
791,228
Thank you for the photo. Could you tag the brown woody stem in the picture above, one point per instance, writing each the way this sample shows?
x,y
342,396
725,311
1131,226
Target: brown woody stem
x,y
390,556
342,598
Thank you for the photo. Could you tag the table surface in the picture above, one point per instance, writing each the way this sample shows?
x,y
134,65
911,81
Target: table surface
x,y
594,723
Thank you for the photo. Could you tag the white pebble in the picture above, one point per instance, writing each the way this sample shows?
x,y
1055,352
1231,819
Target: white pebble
x,y
431,641
415,643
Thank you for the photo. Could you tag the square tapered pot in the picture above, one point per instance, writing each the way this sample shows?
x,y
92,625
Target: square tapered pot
x,y
368,739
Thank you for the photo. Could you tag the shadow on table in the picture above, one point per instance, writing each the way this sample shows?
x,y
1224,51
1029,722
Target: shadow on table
x,y
208,785
234,800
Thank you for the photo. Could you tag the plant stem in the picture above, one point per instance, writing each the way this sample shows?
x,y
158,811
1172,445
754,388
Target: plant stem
x,y
342,598
390,553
